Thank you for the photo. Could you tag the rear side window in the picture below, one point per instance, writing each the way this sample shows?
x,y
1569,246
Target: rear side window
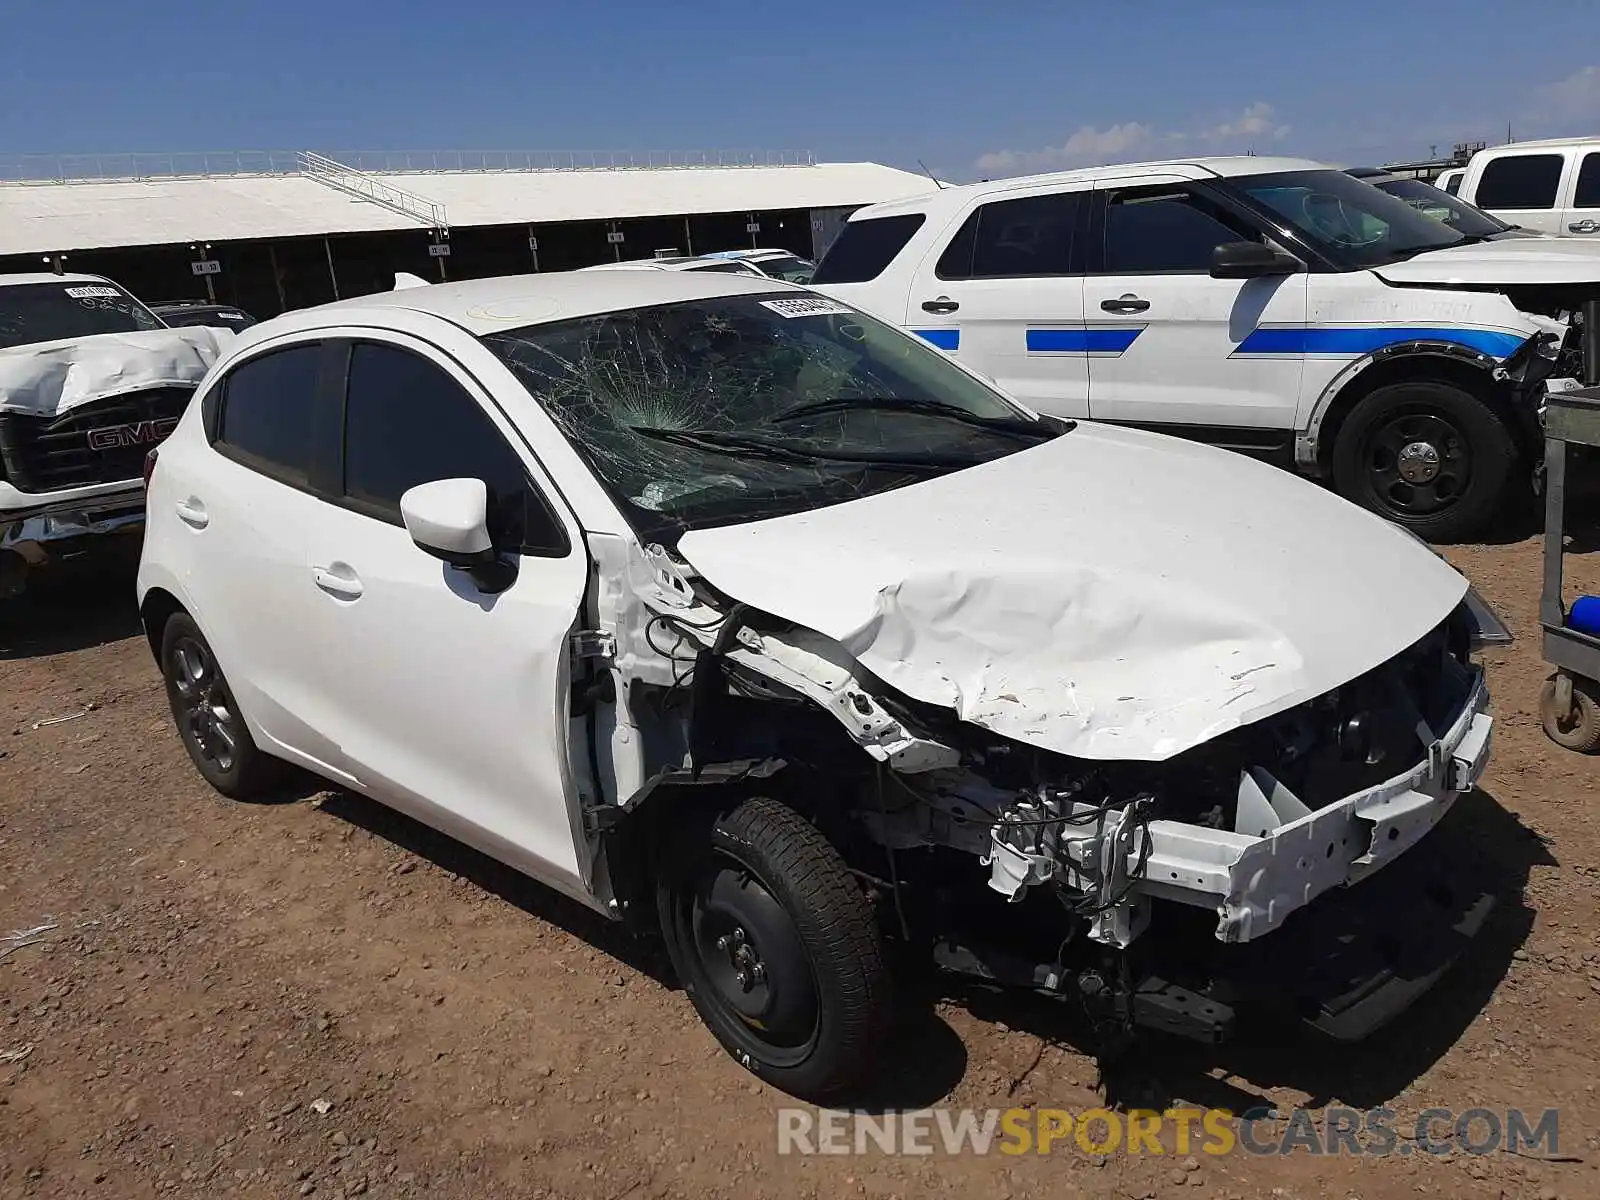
x,y
1520,181
865,248
268,405
1167,231
1452,183
408,422
1588,194
1028,237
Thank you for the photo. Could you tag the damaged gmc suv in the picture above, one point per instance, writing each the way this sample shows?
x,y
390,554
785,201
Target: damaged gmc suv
x,y
724,607
90,379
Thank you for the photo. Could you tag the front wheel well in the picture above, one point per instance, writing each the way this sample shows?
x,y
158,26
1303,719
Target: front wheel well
x,y
1416,368
157,608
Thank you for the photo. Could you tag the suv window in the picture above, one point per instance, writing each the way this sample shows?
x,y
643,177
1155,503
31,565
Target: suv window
x,y
1165,230
268,406
407,422
864,248
1520,181
1588,193
1030,236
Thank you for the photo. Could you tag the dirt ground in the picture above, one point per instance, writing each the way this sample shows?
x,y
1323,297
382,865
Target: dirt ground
x,y
318,998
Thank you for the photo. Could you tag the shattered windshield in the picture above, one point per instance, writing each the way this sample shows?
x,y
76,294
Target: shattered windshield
x,y
50,312
714,412
1353,222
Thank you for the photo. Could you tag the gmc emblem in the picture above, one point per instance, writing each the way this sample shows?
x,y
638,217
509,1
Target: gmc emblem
x,y
136,433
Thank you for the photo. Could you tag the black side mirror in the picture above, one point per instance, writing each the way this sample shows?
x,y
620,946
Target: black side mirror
x,y
1251,260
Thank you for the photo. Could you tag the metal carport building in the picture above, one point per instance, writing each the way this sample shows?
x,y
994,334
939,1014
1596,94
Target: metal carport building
x,y
269,231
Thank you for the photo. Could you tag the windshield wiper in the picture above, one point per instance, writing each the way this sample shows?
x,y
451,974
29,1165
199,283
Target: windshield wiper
x,y
1043,428
743,444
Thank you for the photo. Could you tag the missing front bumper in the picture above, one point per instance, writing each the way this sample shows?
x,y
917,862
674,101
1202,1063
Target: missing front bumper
x,y
1346,965
1256,880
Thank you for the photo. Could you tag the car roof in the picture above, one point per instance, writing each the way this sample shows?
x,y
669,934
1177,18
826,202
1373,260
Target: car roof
x,y
1197,168
49,277
483,306
1543,144
765,252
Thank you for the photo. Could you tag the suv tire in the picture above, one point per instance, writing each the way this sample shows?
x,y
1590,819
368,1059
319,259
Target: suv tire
x,y
1428,456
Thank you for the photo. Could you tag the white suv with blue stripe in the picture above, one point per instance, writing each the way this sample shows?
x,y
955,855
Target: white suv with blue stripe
x,y
1275,306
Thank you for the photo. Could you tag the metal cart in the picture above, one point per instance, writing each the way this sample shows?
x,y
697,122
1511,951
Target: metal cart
x,y
1569,705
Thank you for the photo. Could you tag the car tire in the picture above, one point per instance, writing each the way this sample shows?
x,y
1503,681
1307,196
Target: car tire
x,y
208,718
1426,455
777,948
1579,727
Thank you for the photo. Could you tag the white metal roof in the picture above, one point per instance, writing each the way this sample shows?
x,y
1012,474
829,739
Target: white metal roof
x,y
506,302
1191,168
39,218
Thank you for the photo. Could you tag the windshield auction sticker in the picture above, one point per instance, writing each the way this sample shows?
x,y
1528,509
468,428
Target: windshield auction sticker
x,y
94,293
806,306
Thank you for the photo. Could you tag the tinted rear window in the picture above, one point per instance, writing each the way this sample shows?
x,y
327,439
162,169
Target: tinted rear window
x,y
1520,181
1588,183
267,408
864,248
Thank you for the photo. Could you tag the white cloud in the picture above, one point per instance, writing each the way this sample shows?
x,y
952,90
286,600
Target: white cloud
x,y
1257,121
1576,97
1088,147
1125,141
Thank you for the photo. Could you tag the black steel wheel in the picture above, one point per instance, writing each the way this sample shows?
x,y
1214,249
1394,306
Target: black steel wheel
x,y
208,717
1428,456
776,947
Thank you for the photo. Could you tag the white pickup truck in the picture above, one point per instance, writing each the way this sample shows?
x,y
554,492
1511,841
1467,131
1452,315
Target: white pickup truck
x,y
1275,306
90,380
1552,186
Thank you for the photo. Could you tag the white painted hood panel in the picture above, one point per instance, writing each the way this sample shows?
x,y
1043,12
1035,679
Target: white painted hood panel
x,y
1508,261
1111,594
53,377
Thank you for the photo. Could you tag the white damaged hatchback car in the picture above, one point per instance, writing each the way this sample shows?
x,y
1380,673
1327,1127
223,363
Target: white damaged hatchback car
x,y
722,606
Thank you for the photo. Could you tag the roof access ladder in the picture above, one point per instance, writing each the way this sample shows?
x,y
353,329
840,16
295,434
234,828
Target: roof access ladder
x,y
335,174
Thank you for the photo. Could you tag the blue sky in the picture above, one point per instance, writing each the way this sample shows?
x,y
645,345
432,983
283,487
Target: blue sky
x,y
971,89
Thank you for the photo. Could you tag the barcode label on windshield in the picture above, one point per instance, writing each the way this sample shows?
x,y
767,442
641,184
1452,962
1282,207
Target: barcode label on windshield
x,y
806,306
93,293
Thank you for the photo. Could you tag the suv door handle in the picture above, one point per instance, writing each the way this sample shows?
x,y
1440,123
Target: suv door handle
x,y
1584,226
1125,304
942,304
191,512
337,581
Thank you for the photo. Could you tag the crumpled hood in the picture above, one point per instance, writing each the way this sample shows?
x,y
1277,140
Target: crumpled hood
x,y
51,377
1504,261
1110,594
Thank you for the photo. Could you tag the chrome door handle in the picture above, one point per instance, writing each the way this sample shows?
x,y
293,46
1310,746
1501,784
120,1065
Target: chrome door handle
x,y
1584,226
336,583
191,512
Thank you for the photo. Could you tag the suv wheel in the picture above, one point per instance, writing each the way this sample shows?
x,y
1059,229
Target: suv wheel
x,y
208,717
776,947
1428,456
